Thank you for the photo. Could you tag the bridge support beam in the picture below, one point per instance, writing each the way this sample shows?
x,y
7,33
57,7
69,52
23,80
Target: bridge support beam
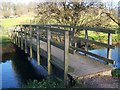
x,y
25,34
18,40
49,51
21,38
31,42
109,51
86,43
38,45
66,56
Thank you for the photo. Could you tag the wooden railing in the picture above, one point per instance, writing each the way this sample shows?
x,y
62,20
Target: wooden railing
x,y
46,33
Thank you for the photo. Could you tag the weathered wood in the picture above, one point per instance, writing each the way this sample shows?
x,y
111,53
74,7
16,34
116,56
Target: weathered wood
x,y
86,43
38,45
15,38
109,51
25,30
58,45
73,35
66,55
97,29
18,39
95,55
31,54
49,51
94,42
21,38
34,43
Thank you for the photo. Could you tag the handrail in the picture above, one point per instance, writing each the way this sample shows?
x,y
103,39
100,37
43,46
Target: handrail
x,y
97,29
74,38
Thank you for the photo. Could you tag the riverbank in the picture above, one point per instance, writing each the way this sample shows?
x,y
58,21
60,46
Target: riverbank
x,y
101,82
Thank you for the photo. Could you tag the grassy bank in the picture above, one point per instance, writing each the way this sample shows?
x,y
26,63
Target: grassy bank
x,y
116,73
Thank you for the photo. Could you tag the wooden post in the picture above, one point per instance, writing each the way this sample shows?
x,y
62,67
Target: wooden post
x,y
49,51
25,39
14,37
30,42
18,39
21,38
75,43
110,43
66,55
38,45
86,44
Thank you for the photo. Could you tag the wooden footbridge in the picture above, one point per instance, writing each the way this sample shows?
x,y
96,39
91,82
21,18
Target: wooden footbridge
x,y
64,52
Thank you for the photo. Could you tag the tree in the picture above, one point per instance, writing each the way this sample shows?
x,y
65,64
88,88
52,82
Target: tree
x,y
72,13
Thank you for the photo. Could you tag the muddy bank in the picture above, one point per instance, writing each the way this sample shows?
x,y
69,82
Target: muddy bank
x,y
101,82
7,51
8,48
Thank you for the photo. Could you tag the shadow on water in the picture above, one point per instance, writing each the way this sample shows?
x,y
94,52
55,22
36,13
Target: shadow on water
x,y
17,69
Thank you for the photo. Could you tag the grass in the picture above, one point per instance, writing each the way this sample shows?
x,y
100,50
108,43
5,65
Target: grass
x,y
4,39
48,83
116,73
6,23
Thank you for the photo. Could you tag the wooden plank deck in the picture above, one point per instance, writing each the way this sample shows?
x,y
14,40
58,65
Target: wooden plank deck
x,y
81,66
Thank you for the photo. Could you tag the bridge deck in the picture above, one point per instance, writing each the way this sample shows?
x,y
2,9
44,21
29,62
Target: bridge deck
x,y
81,65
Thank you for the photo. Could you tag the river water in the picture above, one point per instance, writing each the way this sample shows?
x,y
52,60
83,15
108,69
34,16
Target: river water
x,y
17,68
115,55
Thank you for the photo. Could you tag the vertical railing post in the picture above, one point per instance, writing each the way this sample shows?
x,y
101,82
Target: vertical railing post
x,y
75,43
110,43
14,37
86,43
30,41
66,55
17,37
21,38
18,40
38,44
25,33
49,51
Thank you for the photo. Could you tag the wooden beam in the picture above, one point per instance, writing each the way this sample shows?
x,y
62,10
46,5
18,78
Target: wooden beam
x,y
38,45
25,39
21,38
18,39
86,43
49,51
97,29
94,42
30,42
66,56
95,55
109,51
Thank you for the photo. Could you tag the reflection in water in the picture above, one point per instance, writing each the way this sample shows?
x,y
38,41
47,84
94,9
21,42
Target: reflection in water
x,y
115,54
19,70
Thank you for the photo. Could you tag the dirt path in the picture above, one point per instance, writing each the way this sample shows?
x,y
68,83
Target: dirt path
x,y
101,82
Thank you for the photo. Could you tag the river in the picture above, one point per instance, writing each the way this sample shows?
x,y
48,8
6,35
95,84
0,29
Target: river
x,y
17,68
